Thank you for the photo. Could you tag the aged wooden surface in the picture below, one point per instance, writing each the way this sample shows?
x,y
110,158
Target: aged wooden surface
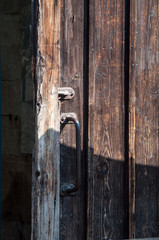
x,y
46,169
122,99
132,127
106,161
143,132
71,75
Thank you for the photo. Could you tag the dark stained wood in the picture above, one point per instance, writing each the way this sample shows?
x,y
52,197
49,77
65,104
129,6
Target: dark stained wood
x,y
132,128
71,75
106,163
59,59
143,125
46,159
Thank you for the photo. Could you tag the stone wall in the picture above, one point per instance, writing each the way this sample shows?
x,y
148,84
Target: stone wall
x,y
17,118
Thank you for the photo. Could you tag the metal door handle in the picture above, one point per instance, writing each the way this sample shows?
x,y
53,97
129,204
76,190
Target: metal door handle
x,y
71,188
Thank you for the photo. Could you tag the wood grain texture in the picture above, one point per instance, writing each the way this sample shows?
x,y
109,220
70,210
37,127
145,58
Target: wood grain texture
x,y
132,125
143,125
46,168
71,75
106,211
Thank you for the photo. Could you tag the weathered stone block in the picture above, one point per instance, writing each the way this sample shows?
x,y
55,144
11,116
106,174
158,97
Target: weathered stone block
x,y
27,128
11,134
11,98
16,188
12,230
9,28
11,63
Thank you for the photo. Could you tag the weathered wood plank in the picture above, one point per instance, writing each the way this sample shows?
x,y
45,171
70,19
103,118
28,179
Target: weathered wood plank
x,y
143,121
46,168
106,163
72,214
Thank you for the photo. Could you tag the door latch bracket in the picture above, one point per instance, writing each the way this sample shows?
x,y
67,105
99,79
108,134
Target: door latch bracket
x,y
64,116
65,93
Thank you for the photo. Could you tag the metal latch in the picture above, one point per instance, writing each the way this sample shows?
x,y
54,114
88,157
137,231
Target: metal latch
x,y
65,116
65,93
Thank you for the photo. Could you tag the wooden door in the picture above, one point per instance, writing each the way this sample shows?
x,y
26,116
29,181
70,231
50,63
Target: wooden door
x,y
57,63
107,52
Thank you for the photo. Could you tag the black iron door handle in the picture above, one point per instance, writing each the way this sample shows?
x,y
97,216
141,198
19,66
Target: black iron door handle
x,y
71,188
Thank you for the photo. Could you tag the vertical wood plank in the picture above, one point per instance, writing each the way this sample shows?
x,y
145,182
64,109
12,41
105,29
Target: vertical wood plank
x,y
106,163
143,125
72,214
132,119
46,170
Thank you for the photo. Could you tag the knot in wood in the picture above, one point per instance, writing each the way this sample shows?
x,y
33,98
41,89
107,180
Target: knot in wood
x,y
103,168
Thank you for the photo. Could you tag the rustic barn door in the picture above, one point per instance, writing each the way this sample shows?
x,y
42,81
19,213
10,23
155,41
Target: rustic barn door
x,y
95,70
